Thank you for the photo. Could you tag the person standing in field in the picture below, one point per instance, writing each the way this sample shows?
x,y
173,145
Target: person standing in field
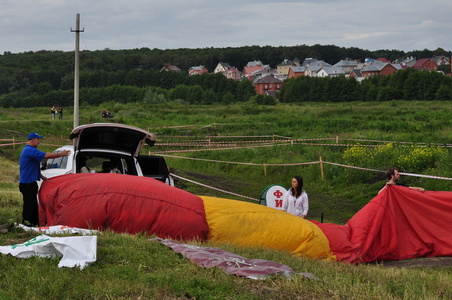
x,y
30,174
60,113
295,200
393,175
53,111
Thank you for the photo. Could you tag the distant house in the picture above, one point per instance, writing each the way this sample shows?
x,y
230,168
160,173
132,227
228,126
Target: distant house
x,y
227,71
252,67
407,62
330,72
308,61
382,59
314,67
232,73
441,60
262,73
268,85
426,64
379,68
197,70
347,65
283,68
221,67
295,72
170,68
356,73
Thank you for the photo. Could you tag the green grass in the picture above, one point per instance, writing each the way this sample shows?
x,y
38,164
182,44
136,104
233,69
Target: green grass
x,y
130,267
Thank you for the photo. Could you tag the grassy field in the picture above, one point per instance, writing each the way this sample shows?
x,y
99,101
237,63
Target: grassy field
x,y
227,147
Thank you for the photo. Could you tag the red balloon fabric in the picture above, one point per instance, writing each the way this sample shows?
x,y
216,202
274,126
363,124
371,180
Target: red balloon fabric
x,y
46,187
122,203
399,223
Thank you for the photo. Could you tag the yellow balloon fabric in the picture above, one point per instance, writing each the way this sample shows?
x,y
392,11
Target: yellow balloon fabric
x,y
254,225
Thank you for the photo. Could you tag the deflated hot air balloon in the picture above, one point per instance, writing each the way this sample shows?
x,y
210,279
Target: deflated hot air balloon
x,y
399,223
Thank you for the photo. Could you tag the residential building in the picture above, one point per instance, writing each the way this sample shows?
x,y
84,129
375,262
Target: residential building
x,y
221,67
326,71
283,68
170,68
308,61
262,73
197,70
379,68
407,62
441,60
314,67
251,67
384,60
347,65
232,73
295,72
268,85
356,73
426,64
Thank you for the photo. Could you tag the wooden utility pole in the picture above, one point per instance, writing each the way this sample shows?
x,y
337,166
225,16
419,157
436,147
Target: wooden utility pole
x,y
77,67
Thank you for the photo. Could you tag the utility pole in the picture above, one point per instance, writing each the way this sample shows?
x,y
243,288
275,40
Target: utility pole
x,y
77,67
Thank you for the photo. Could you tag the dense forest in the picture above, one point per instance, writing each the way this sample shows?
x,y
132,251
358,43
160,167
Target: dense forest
x,y
46,78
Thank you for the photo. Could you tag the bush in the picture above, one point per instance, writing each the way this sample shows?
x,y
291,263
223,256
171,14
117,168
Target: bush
x,y
413,159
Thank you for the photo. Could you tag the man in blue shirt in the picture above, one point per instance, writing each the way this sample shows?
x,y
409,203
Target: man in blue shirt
x,y
30,173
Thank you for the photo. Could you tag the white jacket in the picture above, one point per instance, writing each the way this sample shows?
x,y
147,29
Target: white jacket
x,y
296,206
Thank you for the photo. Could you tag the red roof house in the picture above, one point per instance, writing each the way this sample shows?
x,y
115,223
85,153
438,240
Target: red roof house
x,y
426,64
267,84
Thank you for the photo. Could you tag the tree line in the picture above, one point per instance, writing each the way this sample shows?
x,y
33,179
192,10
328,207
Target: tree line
x,y
45,78
408,84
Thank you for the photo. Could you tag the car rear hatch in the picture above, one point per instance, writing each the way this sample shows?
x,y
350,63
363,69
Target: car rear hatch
x,y
111,136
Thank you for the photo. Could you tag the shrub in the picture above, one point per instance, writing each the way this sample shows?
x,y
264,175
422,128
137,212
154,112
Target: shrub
x,y
413,158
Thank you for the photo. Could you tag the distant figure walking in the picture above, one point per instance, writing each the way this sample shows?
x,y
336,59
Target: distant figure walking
x,y
53,110
60,111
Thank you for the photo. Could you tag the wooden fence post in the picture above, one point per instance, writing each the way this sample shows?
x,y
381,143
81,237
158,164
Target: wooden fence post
x,y
321,165
265,169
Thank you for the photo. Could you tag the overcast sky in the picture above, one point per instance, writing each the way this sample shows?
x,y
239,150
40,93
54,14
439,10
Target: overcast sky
x,y
32,25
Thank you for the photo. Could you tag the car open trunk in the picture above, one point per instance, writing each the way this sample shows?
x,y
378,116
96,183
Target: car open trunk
x,y
111,136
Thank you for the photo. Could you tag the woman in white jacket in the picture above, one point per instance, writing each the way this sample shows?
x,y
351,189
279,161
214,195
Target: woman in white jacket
x,y
296,200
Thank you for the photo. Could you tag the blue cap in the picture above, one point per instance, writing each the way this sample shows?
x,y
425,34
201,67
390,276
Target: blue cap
x,y
34,135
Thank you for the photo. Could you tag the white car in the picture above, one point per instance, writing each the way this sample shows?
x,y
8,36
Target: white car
x,y
108,148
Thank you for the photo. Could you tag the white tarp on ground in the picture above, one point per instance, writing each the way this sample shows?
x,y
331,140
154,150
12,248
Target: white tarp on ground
x,y
58,229
75,251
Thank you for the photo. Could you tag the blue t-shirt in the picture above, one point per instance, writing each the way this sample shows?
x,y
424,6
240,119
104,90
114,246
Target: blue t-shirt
x,y
30,164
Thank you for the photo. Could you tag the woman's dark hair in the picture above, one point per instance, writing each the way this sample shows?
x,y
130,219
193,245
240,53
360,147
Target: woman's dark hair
x,y
299,187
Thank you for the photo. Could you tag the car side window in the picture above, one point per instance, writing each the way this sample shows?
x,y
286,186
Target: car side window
x,y
57,163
